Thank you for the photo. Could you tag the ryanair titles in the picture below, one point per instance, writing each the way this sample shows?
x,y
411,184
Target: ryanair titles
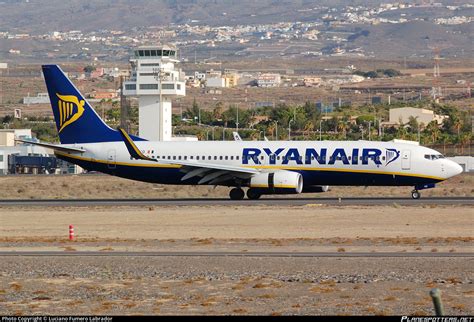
x,y
355,156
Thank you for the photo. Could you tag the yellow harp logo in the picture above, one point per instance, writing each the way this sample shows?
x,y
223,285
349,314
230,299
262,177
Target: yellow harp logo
x,y
70,110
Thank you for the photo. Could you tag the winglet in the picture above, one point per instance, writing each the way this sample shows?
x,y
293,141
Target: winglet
x,y
132,148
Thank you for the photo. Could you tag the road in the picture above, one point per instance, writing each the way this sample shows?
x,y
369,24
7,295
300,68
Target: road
x,y
376,201
230,254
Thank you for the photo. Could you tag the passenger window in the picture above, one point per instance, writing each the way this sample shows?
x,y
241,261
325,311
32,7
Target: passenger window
x,y
209,158
185,157
174,157
179,158
215,157
226,157
192,157
220,158
197,158
237,158
232,157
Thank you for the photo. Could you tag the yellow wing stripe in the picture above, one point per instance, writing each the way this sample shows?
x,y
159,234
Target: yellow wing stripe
x,y
276,167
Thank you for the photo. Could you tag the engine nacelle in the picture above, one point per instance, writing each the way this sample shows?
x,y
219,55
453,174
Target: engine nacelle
x,y
279,182
315,188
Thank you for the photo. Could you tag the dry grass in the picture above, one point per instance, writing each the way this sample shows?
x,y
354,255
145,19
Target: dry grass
x,y
341,250
461,307
319,289
267,296
454,280
69,249
130,305
240,311
75,303
390,299
15,286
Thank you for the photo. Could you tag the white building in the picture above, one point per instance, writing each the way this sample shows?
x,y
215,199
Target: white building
x,y
40,98
155,81
268,80
402,115
215,82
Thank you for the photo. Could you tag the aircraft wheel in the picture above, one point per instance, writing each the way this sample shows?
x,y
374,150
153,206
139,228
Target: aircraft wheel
x,y
236,194
253,194
415,194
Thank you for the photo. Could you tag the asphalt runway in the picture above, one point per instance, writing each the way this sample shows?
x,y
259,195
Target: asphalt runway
x,y
350,201
230,254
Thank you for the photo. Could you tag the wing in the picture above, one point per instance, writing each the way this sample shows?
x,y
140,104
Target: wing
x,y
208,172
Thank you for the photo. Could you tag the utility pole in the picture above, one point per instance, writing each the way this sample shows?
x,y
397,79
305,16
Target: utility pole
x,y
237,123
320,129
276,130
289,130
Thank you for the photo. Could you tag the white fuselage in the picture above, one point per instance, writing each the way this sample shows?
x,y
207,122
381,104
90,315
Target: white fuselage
x,y
322,159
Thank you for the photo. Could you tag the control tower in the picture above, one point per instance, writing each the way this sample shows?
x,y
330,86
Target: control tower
x,y
155,81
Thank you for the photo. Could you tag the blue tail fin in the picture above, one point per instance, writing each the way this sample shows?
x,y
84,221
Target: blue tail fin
x,y
76,120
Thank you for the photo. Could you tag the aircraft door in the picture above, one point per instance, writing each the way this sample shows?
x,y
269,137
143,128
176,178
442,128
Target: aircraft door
x,y
111,159
406,160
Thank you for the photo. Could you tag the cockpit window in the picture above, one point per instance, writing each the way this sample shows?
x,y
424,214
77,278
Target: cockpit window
x,y
434,156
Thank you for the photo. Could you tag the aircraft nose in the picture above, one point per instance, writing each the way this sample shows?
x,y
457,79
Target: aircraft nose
x,y
454,168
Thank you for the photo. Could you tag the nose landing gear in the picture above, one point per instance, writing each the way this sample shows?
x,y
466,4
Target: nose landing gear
x,y
415,194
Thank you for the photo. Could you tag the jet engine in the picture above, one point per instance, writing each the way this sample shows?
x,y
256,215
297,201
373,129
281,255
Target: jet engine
x,y
279,182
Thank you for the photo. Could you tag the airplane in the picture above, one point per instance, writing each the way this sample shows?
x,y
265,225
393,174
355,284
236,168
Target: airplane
x,y
263,167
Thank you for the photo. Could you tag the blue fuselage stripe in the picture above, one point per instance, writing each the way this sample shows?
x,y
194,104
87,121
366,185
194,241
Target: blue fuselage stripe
x,y
166,175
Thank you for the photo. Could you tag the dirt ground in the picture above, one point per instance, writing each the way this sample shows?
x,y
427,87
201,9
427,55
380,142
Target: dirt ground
x,y
231,285
104,186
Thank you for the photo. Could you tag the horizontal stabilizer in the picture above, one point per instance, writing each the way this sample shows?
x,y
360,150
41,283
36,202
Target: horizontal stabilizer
x,y
55,147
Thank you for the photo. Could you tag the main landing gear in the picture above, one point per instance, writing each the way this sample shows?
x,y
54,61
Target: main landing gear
x,y
238,194
253,194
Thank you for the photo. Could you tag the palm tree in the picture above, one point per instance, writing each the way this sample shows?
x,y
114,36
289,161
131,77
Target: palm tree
x,y
217,112
309,126
465,139
433,130
271,128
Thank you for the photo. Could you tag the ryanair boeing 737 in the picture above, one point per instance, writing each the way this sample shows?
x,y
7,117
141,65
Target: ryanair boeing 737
x,y
264,167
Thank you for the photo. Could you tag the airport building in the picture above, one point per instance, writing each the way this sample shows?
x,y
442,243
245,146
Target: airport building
x,y
155,82
40,98
402,116
29,159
